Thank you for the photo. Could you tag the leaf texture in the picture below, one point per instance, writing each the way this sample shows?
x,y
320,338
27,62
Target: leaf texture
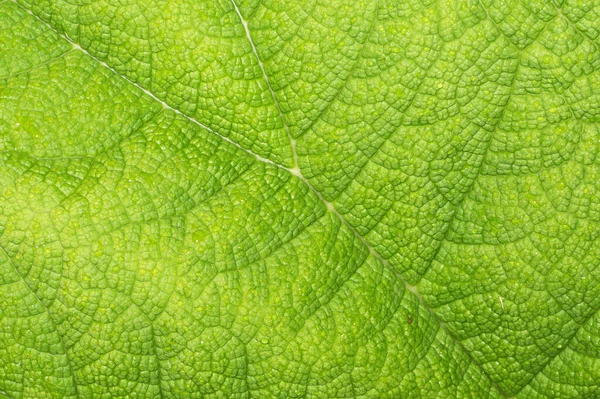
x,y
263,199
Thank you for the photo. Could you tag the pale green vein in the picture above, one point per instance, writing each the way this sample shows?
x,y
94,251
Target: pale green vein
x,y
266,78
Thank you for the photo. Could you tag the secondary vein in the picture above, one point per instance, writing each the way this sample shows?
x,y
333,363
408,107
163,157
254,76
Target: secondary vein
x,y
266,78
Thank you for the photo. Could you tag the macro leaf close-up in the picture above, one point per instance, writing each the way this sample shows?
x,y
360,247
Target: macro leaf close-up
x,y
300,199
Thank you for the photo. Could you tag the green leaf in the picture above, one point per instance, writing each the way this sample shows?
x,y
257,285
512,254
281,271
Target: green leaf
x,y
267,199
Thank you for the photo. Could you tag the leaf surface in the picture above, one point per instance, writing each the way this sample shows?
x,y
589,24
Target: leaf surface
x,y
256,199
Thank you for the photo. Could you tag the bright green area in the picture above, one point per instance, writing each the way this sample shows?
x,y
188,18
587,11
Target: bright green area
x,y
267,199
